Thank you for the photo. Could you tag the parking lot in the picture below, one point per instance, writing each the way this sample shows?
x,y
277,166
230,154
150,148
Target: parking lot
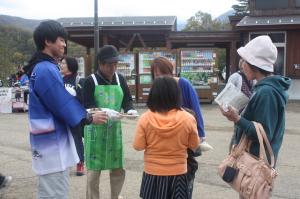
x,y
15,158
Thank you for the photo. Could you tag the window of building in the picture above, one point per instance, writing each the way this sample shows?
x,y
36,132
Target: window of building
x,y
276,37
271,4
279,41
297,3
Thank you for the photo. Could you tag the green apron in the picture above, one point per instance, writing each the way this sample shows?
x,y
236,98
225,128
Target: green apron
x,y
103,143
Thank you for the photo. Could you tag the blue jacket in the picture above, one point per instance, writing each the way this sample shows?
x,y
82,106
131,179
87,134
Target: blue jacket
x,y
190,100
51,111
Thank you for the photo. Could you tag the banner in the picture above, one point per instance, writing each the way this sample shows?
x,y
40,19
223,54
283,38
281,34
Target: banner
x,y
5,100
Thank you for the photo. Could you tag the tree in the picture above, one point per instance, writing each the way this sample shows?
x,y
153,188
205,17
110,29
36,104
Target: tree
x,y
204,22
242,8
76,50
18,58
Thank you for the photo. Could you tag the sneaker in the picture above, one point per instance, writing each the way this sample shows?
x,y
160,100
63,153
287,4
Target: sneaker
x,y
204,146
120,197
6,182
80,169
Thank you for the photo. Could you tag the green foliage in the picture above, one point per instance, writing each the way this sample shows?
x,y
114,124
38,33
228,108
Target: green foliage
x,y
221,59
204,22
16,47
242,8
75,50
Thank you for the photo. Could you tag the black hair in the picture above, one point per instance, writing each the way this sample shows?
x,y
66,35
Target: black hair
x,y
164,95
72,64
48,30
264,72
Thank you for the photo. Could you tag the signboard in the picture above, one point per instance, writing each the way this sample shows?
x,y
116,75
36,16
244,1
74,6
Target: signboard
x,y
5,100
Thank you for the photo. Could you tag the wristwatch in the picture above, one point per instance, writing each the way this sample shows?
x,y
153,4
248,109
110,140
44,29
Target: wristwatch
x,y
89,118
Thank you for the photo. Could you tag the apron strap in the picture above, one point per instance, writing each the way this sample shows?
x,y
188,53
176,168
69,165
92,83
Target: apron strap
x,y
95,80
117,78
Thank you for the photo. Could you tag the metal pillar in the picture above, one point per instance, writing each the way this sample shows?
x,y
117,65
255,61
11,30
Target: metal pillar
x,y
96,34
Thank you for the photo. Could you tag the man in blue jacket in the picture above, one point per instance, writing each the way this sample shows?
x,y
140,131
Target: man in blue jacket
x,y
52,110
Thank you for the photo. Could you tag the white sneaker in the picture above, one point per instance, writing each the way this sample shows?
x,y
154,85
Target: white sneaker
x,y
120,197
6,182
204,146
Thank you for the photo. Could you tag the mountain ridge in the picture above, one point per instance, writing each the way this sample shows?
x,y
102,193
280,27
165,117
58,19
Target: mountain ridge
x,y
31,24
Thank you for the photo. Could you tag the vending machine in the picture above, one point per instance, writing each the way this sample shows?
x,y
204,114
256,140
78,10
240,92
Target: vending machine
x,y
198,66
127,67
144,70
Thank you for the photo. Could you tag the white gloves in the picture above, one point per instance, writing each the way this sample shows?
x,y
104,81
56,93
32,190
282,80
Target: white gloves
x,y
112,114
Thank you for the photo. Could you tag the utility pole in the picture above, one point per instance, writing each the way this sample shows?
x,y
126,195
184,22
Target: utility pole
x,y
96,34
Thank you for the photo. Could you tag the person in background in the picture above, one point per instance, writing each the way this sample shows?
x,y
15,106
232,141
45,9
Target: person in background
x,y
268,101
106,89
165,132
239,80
52,110
68,69
161,66
24,82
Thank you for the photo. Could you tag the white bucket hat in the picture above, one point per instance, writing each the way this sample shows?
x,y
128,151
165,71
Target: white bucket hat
x,y
260,52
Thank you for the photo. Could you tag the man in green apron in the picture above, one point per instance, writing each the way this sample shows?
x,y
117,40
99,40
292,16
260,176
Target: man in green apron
x,y
103,143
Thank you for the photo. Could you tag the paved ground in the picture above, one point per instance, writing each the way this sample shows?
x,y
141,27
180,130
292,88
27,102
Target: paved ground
x,y
15,160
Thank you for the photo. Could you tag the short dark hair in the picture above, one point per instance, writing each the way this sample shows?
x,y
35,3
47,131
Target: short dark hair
x,y
163,65
264,72
48,30
72,64
164,95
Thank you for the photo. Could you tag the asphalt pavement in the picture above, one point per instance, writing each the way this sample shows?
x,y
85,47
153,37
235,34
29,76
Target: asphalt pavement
x,y
15,158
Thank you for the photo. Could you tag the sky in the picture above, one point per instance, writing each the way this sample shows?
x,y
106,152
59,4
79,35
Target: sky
x,y
54,9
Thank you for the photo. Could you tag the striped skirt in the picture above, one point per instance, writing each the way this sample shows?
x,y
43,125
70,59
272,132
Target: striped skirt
x,y
164,187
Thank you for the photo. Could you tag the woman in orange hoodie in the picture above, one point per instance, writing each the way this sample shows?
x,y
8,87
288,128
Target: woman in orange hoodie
x,y
165,132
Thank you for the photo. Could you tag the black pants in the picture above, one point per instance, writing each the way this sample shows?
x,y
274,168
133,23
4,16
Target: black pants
x,y
26,92
192,167
2,178
77,133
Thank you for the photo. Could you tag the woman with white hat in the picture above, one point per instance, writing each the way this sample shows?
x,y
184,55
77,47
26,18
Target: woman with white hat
x,y
268,101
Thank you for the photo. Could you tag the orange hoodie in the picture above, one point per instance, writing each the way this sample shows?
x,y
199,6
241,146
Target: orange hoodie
x,y
165,138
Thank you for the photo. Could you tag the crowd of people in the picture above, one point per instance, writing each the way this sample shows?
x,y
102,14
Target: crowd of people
x,y
63,109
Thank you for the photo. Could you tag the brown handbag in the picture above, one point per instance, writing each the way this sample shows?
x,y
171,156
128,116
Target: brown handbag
x,y
252,177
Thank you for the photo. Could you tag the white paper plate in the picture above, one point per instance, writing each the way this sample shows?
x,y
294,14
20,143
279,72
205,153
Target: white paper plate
x,y
130,116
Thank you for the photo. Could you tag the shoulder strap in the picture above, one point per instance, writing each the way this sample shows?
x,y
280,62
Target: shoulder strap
x,y
266,140
117,78
95,79
262,138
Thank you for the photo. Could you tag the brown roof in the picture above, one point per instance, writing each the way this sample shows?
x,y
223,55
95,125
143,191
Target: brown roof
x,y
120,21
